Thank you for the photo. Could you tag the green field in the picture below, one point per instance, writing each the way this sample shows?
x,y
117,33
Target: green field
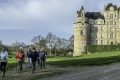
x,y
86,56
83,60
87,59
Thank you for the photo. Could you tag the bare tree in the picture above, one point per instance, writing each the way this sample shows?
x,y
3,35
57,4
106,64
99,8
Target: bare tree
x,y
71,45
15,46
54,44
39,42
50,38
19,44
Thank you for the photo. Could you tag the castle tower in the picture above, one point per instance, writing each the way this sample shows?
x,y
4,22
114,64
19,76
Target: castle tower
x,y
80,33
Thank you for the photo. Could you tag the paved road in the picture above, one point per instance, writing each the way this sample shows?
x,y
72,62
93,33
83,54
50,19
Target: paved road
x,y
110,72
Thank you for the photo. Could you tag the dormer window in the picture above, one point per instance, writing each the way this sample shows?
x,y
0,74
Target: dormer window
x,y
111,8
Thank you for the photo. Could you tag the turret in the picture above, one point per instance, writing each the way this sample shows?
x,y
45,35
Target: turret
x,y
80,33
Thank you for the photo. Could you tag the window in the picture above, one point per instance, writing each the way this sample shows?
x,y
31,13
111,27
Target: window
x,y
81,14
107,16
101,42
96,22
82,42
111,22
101,36
115,23
111,29
111,16
111,42
111,35
101,28
82,32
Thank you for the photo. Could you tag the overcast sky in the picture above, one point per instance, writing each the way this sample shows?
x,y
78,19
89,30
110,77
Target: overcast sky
x,y
20,20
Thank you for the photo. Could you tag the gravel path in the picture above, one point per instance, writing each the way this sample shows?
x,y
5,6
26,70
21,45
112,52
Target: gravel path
x,y
109,72
27,75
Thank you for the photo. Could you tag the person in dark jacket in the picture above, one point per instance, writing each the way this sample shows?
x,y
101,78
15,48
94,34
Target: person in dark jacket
x,y
42,57
34,57
29,52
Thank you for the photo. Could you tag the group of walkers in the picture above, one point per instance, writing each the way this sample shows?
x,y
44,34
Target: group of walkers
x,y
33,57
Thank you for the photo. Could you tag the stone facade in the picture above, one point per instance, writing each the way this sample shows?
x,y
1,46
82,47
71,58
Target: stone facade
x,y
95,28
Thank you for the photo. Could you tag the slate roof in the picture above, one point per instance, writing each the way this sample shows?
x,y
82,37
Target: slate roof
x,y
119,8
94,15
109,5
79,12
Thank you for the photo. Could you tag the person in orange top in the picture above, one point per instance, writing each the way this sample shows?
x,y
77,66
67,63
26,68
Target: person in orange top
x,y
20,56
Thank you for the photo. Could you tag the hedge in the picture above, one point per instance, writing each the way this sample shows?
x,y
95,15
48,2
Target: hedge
x,y
102,48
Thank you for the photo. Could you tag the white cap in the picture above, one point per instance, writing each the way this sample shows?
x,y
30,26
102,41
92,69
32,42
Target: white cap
x,y
21,48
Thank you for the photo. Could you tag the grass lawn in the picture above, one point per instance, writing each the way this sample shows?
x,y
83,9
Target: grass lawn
x,y
83,60
88,59
11,63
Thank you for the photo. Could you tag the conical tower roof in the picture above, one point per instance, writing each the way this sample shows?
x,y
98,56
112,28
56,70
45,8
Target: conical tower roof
x,y
79,12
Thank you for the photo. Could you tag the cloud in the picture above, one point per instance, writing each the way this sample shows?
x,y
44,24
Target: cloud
x,y
37,14
98,5
43,16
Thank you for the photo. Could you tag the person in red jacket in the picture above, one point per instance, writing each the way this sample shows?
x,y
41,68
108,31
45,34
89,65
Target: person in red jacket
x,y
20,56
